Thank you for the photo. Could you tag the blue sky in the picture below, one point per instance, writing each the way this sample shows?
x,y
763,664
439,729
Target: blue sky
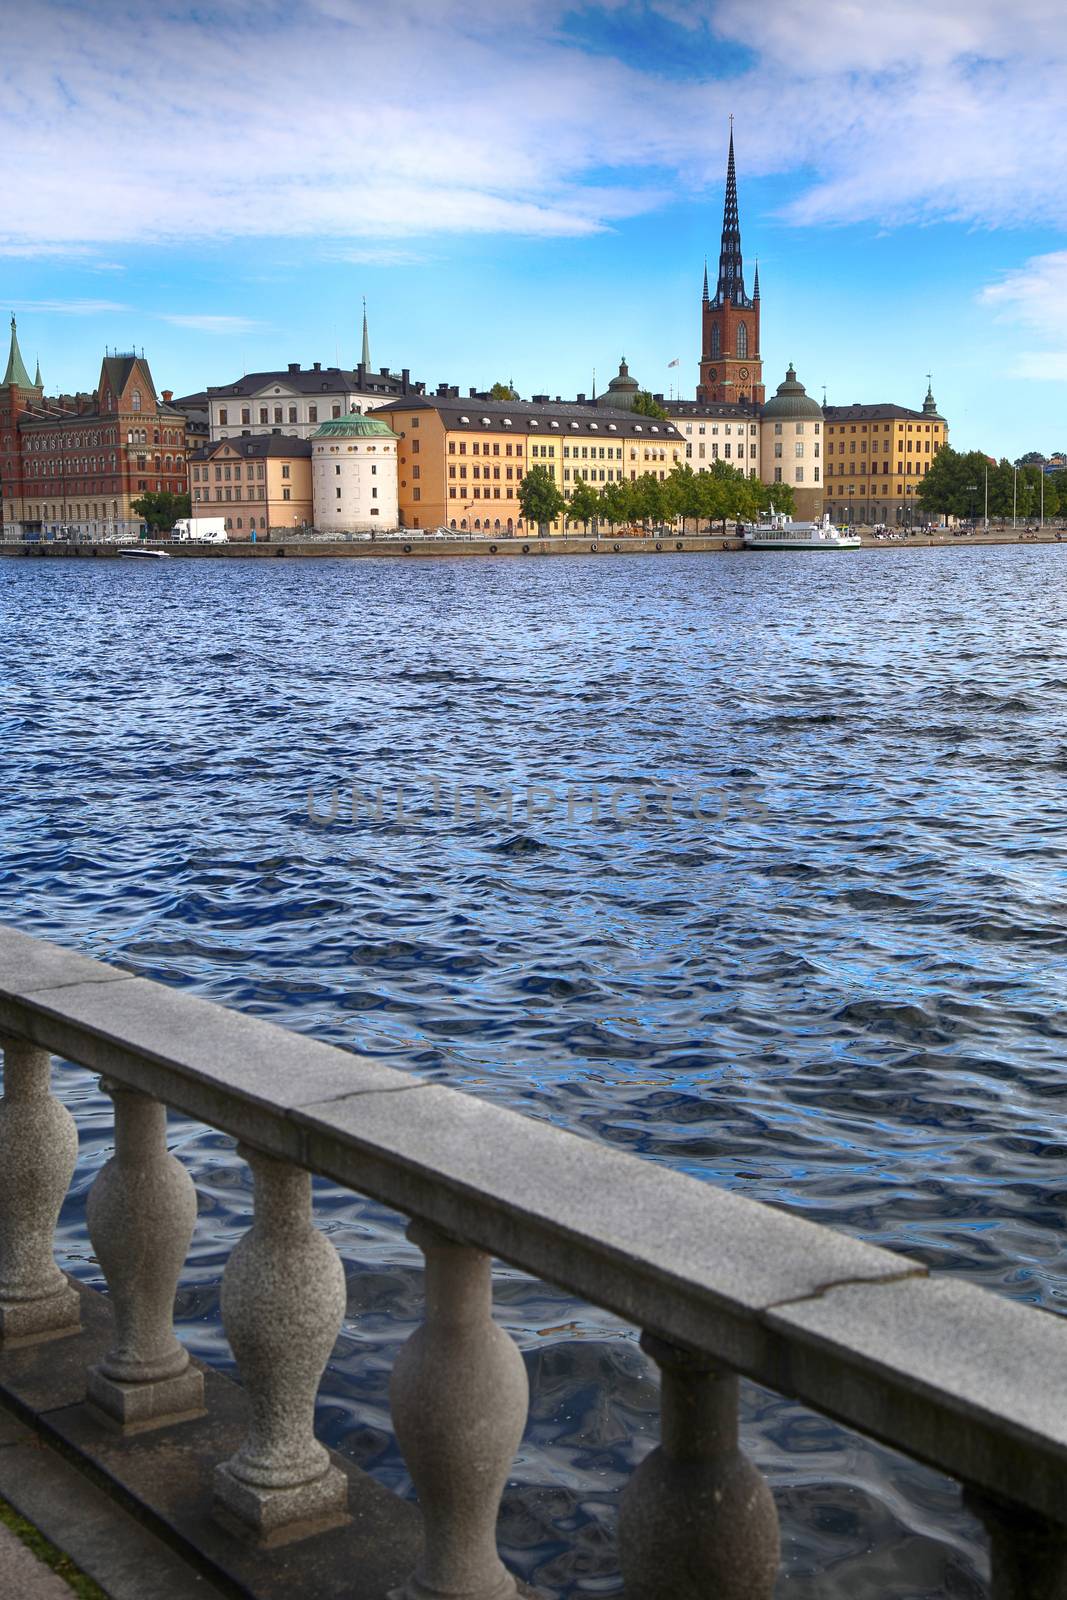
x,y
527,190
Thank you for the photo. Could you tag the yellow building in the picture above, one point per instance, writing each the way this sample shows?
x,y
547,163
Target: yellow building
x,y
261,484
461,461
876,458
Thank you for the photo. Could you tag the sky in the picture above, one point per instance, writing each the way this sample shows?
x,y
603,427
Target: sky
x,y
526,190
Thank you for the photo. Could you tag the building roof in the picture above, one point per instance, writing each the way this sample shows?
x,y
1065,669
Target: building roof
x,y
792,400
255,445
16,368
886,411
554,418
317,379
354,426
731,409
118,369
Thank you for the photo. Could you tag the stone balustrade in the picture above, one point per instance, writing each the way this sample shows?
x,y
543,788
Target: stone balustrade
x,y
719,1286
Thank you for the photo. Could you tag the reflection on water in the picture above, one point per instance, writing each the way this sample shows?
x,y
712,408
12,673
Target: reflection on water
x,y
840,990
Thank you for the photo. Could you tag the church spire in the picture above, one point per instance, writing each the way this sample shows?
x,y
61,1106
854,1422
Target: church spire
x,y
16,370
731,284
366,337
37,383
705,297
755,282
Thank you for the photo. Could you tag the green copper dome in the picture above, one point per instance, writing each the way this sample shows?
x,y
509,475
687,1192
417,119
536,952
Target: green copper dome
x,y
792,400
354,426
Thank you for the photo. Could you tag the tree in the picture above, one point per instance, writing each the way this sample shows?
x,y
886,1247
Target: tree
x,y
162,511
645,406
617,502
502,391
955,484
650,498
540,499
780,497
584,503
683,493
1032,458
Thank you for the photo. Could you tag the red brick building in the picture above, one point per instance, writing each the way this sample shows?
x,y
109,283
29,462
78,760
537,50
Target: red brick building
x,y
77,462
731,369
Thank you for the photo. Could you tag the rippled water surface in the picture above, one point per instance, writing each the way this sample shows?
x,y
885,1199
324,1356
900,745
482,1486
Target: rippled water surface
x,y
839,989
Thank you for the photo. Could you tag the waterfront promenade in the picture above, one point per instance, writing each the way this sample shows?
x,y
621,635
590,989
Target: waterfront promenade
x,y
415,544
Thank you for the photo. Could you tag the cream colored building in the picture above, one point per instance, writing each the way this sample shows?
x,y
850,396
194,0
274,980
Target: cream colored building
x,y
717,432
261,486
299,400
353,475
791,445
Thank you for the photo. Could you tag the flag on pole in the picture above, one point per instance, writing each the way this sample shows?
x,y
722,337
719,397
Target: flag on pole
x,y
675,362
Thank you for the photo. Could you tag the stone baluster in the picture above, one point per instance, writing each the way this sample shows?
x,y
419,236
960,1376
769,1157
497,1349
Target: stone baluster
x,y
1027,1554
38,1151
283,1301
459,1397
141,1214
696,1518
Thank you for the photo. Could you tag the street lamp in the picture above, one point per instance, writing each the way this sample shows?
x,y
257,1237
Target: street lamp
x,y
972,488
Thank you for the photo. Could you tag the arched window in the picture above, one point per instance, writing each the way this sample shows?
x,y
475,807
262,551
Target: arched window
x,y
742,341
135,400
716,345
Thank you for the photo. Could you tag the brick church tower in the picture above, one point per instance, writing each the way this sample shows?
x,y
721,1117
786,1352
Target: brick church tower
x,y
730,364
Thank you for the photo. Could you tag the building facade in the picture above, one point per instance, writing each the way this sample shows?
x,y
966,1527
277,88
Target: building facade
x,y
876,457
354,475
717,432
791,446
731,368
74,465
260,485
460,462
299,400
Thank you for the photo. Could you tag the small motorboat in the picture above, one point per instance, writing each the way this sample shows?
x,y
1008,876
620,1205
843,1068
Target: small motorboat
x,y
140,554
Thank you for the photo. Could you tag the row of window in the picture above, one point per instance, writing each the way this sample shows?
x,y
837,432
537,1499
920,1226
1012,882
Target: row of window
x,y
726,449
236,494
222,473
484,448
727,428
478,472
911,467
281,414
913,445
798,475
741,341
919,427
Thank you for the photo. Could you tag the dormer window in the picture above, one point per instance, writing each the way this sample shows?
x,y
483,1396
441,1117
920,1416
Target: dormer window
x,y
553,424
486,422
464,419
135,400
507,422
637,427
613,427
534,422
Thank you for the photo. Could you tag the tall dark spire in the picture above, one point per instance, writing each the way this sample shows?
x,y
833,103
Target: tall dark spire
x,y
706,297
731,284
755,282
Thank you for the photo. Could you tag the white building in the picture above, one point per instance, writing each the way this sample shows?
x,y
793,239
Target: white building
x,y
353,475
295,402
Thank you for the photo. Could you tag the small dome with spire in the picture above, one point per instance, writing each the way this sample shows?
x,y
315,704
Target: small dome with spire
x,y
930,404
792,400
622,390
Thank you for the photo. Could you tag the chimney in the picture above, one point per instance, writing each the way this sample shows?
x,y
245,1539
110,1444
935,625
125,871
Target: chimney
x,y
473,394
168,396
294,366
317,367
580,401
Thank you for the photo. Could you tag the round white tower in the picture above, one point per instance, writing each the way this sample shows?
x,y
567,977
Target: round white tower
x,y
353,475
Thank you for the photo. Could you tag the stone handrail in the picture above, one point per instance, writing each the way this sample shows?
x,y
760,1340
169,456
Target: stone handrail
x,y
952,1375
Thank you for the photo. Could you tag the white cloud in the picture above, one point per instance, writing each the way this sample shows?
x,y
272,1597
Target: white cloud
x,y
70,308
379,256
201,322
352,121
1034,296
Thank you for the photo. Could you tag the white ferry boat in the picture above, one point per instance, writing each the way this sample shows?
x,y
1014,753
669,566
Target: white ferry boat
x,y
782,533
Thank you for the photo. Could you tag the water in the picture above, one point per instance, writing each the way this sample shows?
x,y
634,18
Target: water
x,y
841,991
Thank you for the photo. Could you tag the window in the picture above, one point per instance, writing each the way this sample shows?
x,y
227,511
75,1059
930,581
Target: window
x,y
285,469
287,494
798,450
135,400
292,413
716,342
742,341
224,417
337,492
337,472
262,413
335,411
246,415
313,413
800,475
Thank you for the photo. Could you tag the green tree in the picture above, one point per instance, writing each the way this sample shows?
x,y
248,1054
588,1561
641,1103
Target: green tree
x,y
650,499
584,503
955,485
502,391
617,502
1032,458
162,511
780,497
645,406
540,499
683,496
